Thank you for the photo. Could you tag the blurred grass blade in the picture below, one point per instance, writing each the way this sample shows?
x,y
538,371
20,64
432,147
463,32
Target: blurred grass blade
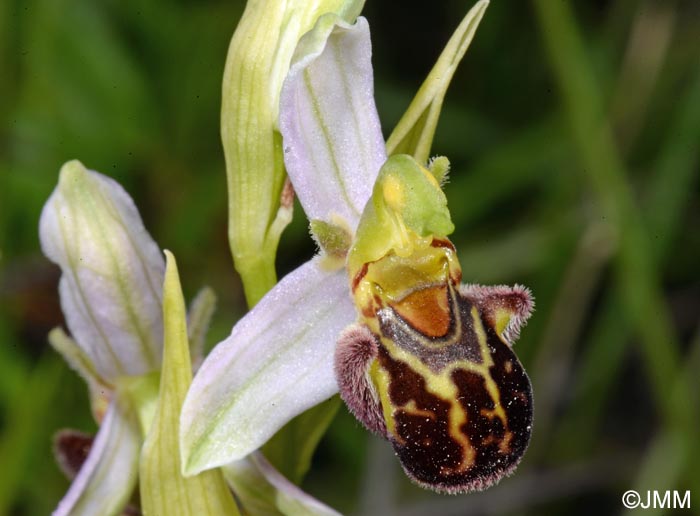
x,y
670,190
507,168
637,277
675,172
670,455
23,420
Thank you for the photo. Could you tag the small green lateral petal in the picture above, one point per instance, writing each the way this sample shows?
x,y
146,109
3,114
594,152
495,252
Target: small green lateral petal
x,y
414,133
198,318
334,241
80,362
163,488
406,210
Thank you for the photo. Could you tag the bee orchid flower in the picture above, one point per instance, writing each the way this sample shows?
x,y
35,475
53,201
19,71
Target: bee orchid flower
x,y
365,314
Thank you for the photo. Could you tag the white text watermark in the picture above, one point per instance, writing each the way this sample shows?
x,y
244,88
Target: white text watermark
x,y
656,499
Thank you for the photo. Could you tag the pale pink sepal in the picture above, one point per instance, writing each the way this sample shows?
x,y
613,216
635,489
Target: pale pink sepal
x,y
107,478
277,362
332,138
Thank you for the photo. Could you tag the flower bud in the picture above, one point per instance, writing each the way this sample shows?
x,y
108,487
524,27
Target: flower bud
x,y
112,269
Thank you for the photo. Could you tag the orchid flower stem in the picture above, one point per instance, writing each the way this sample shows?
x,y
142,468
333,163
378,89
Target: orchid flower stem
x,y
257,63
258,276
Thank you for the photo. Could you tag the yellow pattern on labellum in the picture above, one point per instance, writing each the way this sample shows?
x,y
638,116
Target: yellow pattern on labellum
x,y
436,373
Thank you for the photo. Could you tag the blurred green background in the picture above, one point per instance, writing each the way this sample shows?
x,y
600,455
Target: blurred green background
x,y
573,130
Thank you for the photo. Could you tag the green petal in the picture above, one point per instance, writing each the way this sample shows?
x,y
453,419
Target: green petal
x,y
198,318
80,362
163,488
414,133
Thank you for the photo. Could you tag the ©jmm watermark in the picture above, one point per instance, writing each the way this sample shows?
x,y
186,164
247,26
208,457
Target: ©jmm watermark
x,y
656,499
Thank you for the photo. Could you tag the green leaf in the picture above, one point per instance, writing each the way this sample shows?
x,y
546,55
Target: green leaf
x,y
414,133
291,449
80,362
163,488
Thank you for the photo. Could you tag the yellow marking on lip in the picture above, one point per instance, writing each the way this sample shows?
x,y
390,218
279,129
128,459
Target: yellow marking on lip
x,y
381,382
501,320
412,409
504,445
487,360
442,386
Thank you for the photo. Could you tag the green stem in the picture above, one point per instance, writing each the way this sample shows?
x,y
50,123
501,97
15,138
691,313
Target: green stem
x,y
258,276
